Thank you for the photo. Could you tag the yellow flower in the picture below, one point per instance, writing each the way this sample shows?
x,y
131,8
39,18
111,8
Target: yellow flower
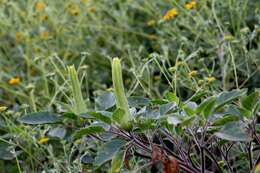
x,y
192,73
18,35
151,22
69,54
43,140
2,108
228,37
91,8
85,1
40,5
200,81
152,36
75,11
170,13
201,60
178,63
29,86
211,79
258,29
127,81
44,35
110,89
191,5
173,68
43,17
14,80
157,77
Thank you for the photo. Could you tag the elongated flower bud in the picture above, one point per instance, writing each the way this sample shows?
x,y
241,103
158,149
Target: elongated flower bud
x,y
76,90
121,100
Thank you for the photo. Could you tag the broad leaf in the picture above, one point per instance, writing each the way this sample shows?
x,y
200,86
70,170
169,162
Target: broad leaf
x,y
108,151
233,131
227,97
40,118
87,131
136,101
118,115
105,100
249,102
117,162
58,132
172,97
100,117
206,107
198,95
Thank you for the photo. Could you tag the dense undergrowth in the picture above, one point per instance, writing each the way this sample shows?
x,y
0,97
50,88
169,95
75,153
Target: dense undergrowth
x,y
186,98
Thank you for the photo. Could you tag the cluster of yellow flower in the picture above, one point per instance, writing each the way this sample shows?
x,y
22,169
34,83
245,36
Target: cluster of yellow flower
x,y
173,12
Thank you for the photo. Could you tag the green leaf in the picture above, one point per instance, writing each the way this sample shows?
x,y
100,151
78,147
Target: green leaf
x,y
206,107
117,162
136,101
166,108
105,101
87,131
198,95
210,107
249,102
58,132
233,131
118,115
5,152
100,117
245,112
40,118
172,97
227,97
108,151
225,119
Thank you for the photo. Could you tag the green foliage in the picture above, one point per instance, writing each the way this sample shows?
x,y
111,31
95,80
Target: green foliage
x,y
186,86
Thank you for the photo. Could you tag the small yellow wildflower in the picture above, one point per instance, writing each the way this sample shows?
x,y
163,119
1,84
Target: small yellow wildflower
x,y
75,11
110,89
44,35
40,5
152,36
200,81
85,66
157,77
211,79
170,13
69,54
192,73
2,108
178,63
191,5
151,22
18,35
228,37
14,80
127,81
43,17
91,8
84,1
30,86
43,140
201,60
173,68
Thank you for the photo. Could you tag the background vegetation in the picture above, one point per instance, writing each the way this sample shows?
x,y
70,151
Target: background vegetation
x,y
187,48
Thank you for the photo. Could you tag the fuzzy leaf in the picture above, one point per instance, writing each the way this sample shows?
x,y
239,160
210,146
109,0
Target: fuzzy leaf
x,y
40,118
